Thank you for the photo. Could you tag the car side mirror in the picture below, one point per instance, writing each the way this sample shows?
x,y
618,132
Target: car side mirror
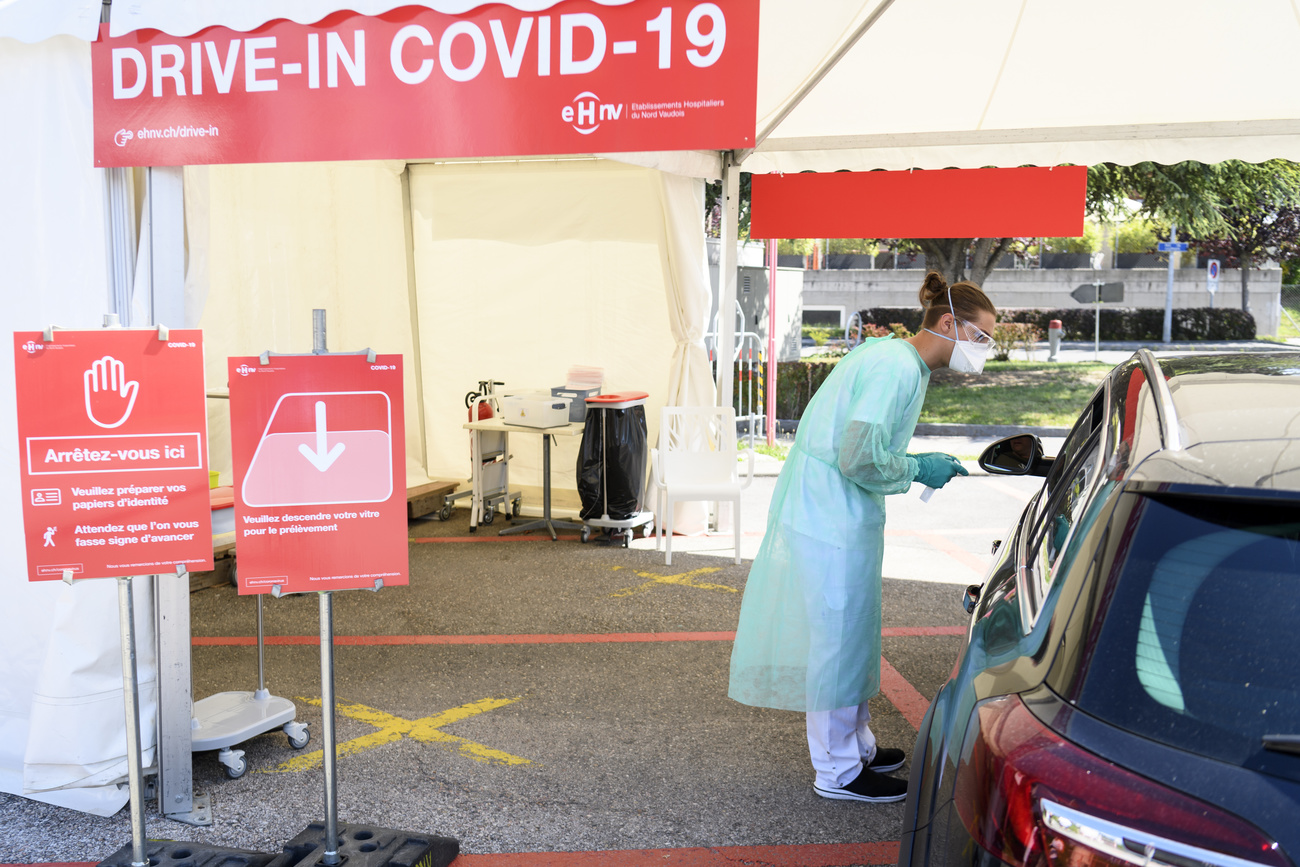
x,y
1020,455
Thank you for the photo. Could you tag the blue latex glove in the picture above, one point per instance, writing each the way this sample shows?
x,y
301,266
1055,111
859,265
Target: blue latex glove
x,y
935,469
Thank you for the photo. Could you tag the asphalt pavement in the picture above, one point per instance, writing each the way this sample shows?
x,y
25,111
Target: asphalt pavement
x,y
529,696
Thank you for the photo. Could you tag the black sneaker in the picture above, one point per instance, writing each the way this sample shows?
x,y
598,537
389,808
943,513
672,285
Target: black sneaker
x,y
867,786
886,759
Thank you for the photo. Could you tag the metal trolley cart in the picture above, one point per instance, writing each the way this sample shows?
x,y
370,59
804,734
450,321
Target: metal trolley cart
x,y
220,721
489,463
612,465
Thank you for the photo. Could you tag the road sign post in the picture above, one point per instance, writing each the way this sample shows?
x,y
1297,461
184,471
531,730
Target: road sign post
x,y
1171,247
1212,279
1095,293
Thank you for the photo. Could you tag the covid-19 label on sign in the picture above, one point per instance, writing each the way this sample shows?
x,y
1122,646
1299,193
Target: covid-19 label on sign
x,y
320,494
112,445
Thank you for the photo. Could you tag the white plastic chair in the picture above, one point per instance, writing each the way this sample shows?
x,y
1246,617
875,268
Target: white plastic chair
x,y
697,459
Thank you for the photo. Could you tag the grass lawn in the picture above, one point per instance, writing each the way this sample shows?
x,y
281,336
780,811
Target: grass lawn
x,y
1013,392
1287,329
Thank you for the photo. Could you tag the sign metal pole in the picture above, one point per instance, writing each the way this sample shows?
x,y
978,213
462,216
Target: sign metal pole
x,y
331,855
769,397
1168,334
131,699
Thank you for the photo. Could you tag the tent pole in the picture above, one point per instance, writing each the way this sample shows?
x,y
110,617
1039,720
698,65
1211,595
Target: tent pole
x,y
726,346
769,398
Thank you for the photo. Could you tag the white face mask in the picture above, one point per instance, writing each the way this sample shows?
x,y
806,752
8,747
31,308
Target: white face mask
x,y
967,355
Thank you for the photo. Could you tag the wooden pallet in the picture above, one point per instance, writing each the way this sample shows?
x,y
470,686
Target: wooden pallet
x,y
427,499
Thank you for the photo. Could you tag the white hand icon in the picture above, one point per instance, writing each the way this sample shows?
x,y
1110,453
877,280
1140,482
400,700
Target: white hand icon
x,y
108,375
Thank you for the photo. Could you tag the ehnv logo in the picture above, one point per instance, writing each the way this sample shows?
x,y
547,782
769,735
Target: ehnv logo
x,y
32,346
587,112
245,370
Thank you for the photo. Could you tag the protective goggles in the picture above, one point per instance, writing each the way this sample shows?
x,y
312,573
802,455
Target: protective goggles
x,y
973,334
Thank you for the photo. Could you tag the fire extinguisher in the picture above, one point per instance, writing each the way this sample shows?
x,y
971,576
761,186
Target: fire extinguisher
x,y
486,389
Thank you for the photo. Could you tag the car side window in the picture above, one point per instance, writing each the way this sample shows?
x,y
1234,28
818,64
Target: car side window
x,y
1088,422
1061,510
1067,506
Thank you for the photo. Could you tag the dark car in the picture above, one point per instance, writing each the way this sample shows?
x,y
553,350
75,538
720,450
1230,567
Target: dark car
x,y
1129,691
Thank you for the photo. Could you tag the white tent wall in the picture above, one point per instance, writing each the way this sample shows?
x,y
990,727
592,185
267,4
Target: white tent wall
x,y
270,243
524,269
516,272
61,709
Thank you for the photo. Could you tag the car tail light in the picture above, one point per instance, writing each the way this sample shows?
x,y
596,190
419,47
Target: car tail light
x,y
1033,799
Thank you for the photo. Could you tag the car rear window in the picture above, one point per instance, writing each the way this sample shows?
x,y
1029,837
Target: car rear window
x,y
1197,645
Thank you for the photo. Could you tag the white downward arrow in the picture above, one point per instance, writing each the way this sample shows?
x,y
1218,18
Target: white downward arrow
x,y
321,458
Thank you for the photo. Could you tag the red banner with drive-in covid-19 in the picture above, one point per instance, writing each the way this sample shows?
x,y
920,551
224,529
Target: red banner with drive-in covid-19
x,y
579,77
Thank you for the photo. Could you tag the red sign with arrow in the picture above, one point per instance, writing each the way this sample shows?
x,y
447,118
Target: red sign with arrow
x,y
320,483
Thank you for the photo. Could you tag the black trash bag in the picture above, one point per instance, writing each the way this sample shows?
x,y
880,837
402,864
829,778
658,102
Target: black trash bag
x,y
620,475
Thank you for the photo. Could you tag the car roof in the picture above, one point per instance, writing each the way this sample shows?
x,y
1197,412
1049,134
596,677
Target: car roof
x,y
1226,420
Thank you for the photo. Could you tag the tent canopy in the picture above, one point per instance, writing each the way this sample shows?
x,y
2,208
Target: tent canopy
x,y
937,83
899,84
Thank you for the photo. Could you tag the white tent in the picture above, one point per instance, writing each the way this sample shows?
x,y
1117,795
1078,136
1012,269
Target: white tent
x,y
842,84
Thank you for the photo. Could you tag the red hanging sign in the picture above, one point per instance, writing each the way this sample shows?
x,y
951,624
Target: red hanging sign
x,y
950,203
320,482
414,83
113,450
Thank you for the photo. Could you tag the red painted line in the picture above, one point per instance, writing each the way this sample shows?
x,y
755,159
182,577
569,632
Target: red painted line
x,y
910,703
546,537
409,640
590,638
541,537
815,855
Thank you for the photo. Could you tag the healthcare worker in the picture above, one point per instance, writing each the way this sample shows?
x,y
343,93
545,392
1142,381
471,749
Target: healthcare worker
x,y
809,631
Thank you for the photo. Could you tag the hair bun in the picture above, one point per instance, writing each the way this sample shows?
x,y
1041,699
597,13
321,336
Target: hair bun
x,y
933,288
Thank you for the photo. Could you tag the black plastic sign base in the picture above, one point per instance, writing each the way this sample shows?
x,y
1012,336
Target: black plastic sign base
x,y
166,853
368,846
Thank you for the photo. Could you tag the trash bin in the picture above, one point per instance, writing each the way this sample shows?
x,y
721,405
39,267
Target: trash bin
x,y
612,457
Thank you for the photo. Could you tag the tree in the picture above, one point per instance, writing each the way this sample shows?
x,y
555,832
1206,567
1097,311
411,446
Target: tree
x,y
1245,212
949,256
1254,235
1211,203
713,208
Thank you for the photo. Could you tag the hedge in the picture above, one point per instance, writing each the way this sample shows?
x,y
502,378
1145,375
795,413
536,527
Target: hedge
x,y
1117,323
796,382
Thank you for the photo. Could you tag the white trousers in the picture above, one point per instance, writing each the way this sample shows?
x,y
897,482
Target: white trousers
x,y
840,742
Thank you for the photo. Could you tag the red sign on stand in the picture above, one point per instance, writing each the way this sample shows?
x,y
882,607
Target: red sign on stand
x,y
113,445
320,483
579,77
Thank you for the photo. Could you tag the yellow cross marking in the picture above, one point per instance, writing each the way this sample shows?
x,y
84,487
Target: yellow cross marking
x,y
685,579
392,728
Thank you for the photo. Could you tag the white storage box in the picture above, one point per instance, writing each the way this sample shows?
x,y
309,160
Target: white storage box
x,y
535,410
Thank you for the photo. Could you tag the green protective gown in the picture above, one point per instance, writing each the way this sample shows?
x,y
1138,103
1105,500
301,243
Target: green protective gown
x,y
809,631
